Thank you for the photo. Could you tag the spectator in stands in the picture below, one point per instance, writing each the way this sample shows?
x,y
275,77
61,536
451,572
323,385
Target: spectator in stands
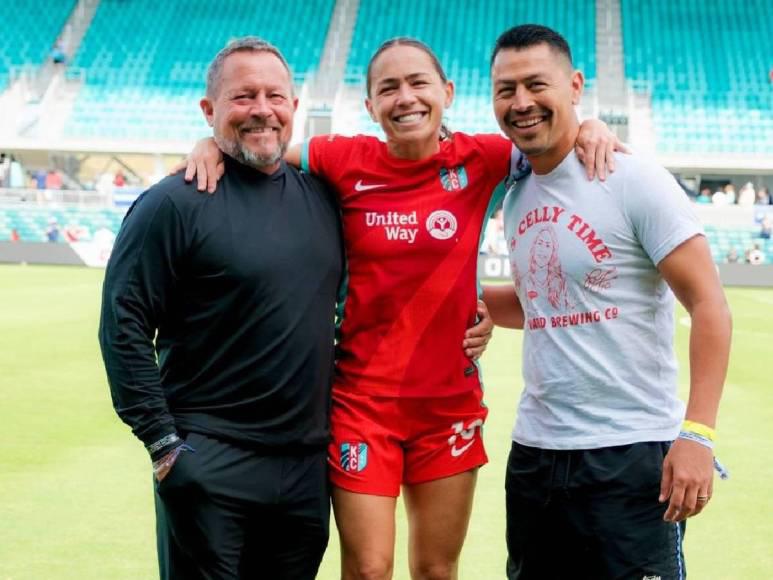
x,y
104,184
40,178
719,198
59,53
32,182
732,257
730,194
76,233
754,255
119,180
52,232
5,164
704,196
763,197
15,237
53,179
606,462
766,227
16,174
746,196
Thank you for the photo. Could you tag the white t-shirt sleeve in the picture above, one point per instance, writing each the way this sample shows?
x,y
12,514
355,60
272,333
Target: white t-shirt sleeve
x,y
660,213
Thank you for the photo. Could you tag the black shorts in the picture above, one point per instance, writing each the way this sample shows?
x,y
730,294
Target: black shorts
x,y
226,512
590,514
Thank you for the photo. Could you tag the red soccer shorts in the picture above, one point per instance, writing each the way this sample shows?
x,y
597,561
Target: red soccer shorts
x,y
380,443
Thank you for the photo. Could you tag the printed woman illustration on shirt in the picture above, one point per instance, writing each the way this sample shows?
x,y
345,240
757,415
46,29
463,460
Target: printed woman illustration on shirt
x,y
545,277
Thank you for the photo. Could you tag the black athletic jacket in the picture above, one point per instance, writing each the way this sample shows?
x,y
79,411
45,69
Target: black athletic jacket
x,y
239,289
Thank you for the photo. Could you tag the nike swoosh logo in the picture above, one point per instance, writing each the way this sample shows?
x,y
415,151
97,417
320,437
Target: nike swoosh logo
x,y
360,186
457,452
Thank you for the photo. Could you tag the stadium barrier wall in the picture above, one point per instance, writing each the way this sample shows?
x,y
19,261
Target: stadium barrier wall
x,y
489,267
498,268
39,253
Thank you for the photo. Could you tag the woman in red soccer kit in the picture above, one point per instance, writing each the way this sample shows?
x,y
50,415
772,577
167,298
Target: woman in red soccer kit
x,y
407,408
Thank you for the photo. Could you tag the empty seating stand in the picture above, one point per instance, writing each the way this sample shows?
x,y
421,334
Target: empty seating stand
x,y
462,34
145,61
28,31
722,240
707,64
32,222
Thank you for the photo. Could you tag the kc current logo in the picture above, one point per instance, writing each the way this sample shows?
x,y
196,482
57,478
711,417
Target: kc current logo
x,y
454,178
441,224
354,456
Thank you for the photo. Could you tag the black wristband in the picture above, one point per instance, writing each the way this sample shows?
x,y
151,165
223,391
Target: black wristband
x,y
164,445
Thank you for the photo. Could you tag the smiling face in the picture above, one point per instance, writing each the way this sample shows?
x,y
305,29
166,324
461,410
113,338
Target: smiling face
x,y
251,110
535,90
407,98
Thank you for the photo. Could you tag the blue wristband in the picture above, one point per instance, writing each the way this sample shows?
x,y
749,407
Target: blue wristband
x,y
706,442
697,437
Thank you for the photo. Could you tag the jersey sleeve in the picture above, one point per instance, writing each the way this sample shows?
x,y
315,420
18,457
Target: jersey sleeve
x,y
325,156
500,155
658,209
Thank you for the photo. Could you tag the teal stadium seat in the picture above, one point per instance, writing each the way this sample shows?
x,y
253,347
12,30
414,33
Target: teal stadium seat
x,y
462,34
722,240
33,221
28,31
145,61
707,64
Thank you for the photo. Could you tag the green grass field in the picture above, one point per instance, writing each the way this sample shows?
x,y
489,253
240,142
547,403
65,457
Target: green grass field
x,y
75,486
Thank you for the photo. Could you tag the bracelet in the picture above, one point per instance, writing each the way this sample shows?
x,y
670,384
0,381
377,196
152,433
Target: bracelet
x,y
700,429
697,437
163,442
706,442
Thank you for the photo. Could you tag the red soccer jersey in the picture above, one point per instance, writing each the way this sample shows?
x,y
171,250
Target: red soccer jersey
x,y
411,231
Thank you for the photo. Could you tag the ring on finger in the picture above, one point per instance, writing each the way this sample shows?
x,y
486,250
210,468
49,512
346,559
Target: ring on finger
x,y
703,498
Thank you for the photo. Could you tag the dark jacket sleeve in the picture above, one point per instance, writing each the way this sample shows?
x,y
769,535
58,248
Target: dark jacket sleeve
x,y
141,276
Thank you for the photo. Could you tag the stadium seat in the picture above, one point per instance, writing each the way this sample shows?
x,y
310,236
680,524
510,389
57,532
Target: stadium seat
x,y
29,31
145,61
707,67
722,240
33,221
462,34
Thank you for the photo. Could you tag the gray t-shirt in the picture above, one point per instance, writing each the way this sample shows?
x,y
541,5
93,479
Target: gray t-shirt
x,y
598,358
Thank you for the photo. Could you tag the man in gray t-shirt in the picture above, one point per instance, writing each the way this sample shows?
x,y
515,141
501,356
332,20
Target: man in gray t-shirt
x,y
595,267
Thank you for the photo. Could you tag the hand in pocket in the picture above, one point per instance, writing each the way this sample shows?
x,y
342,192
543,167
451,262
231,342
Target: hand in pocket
x,y
162,466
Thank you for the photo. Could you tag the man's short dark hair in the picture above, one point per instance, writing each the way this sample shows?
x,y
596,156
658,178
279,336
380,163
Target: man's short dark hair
x,y
528,35
243,44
